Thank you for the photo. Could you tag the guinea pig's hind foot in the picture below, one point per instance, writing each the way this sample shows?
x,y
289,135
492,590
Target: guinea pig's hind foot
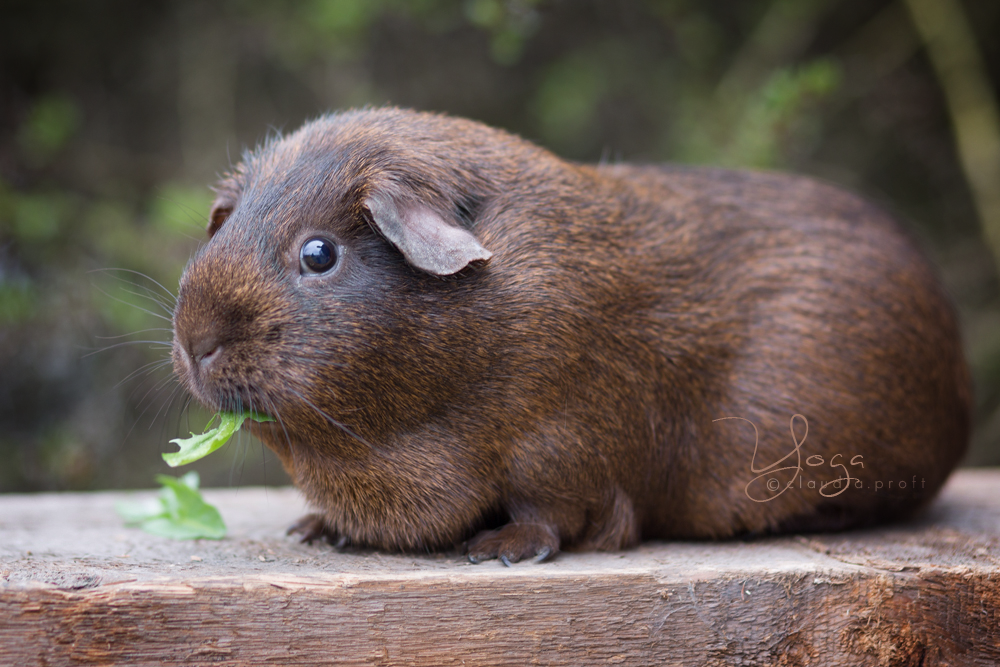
x,y
312,527
514,542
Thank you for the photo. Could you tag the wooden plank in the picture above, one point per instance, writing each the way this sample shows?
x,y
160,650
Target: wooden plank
x,y
77,588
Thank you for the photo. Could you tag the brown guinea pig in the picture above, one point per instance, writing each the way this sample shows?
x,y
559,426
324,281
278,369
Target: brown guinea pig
x,y
457,331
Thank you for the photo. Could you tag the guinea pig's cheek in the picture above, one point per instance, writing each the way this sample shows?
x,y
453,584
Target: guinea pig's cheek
x,y
274,436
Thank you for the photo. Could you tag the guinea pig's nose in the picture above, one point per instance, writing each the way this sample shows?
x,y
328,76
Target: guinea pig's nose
x,y
204,351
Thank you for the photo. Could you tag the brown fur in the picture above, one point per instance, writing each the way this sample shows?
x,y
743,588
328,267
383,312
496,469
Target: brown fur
x,y
569,385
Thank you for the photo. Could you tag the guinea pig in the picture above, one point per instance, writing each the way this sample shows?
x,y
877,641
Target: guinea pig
x,y
462,337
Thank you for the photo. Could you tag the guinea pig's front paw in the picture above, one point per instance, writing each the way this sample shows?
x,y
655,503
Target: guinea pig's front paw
x,y
312,527
515,542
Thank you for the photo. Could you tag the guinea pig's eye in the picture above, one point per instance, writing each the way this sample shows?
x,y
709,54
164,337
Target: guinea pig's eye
x,y
318,255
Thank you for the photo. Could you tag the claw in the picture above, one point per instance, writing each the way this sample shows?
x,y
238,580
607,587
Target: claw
x,y
542,554
514,543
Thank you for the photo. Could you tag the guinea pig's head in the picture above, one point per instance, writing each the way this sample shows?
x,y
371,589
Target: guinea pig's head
x,y
341,289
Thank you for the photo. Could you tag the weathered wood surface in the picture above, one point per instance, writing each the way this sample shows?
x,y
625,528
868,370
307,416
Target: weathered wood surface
x,y
76,587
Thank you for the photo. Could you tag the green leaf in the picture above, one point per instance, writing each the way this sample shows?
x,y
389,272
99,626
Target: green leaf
x,y
200,446
135,512
179,513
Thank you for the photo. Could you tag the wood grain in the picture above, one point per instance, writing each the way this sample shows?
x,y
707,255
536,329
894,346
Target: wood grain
x,y
76,588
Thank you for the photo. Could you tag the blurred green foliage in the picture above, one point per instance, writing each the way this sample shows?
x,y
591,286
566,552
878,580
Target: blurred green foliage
x,y
17,303
780,114
510,25
568,96
51,122
116,116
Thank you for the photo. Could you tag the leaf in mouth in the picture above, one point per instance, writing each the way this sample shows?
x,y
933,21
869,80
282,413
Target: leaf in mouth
x,y
200,446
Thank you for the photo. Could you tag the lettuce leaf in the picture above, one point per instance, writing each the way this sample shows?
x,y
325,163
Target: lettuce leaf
x,y
200,446
179,512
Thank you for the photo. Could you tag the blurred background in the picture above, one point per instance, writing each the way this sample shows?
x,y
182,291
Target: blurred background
x,y
115,116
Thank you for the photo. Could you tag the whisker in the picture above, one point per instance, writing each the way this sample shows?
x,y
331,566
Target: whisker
x,y
241,446
145,369
166,307
148,293
165,409
172,296
184,412
272,410
196,239
331,419
154,345
169,330
157,386
133,305
168,401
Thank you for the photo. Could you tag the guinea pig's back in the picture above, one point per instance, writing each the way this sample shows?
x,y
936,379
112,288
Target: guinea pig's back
x,y
804,299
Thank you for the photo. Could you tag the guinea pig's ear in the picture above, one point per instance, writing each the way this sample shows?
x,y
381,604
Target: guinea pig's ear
x,y
426,240
221,210
227,194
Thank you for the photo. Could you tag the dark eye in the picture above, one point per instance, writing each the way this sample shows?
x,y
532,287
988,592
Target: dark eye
x,y
318,256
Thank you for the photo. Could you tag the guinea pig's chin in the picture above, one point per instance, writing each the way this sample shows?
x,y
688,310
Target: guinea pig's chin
x,y
210,400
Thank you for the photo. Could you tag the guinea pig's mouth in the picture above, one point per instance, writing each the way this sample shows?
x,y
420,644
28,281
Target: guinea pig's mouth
x,y
201,375
224,376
